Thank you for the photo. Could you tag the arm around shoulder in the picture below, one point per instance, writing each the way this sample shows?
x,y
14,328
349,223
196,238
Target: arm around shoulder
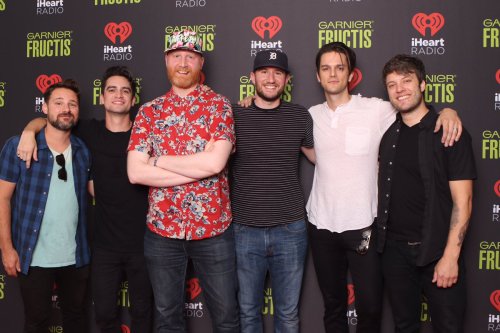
x,y
451,124
27,148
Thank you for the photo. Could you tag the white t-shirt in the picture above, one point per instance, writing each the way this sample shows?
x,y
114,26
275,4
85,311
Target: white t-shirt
x,y
346,142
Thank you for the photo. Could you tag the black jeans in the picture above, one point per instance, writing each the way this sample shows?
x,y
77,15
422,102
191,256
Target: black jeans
x,y
333,254
36,292
405,283
109,270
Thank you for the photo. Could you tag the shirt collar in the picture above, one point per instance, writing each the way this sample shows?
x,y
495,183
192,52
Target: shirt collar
x,y
428,121
192,95
41,141
272,109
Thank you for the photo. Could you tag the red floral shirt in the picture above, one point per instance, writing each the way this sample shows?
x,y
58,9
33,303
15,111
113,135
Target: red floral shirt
x,y
172,125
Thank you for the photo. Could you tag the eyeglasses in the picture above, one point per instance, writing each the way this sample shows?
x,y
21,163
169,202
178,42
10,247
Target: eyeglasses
x,y
61,161
365,242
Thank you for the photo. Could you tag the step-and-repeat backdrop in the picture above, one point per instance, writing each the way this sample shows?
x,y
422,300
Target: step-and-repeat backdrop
x,y
44,41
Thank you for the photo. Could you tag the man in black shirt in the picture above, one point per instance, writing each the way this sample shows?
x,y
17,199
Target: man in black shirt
x,y
424,206
120,207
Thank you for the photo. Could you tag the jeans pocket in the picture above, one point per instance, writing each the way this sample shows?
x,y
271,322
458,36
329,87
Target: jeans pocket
x,y
239,229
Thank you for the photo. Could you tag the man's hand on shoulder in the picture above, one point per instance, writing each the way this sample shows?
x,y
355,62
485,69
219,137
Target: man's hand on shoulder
x,y
246,102
452,126
27,148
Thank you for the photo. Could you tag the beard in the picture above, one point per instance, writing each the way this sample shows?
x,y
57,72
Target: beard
x,y
267,97
183,81
60,124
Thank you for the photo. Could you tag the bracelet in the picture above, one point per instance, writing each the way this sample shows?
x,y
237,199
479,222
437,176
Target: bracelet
x,y
156,160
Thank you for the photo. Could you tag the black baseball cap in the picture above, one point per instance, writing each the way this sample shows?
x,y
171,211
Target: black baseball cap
x,y
271,58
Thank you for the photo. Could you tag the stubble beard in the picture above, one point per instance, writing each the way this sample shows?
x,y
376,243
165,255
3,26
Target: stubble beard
x,y
268,98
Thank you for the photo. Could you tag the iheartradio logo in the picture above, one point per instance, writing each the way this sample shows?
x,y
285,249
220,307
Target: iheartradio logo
x,y
498,76
496,188
272,24
434,22
125,329
495,299
350,294
357,76
44,81
193,288
114,30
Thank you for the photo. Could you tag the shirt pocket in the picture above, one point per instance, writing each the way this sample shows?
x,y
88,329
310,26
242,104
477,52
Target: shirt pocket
x,y
357,141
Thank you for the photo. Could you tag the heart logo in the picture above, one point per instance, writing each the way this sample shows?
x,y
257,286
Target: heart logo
x,y
193,288
495,299
498,76
272,24
44,81
350,294
434,21
114,30
125,329
497,188
356,79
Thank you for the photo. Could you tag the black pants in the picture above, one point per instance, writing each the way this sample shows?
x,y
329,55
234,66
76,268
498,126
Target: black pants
x,y
108,272
405,283
36,292
335,253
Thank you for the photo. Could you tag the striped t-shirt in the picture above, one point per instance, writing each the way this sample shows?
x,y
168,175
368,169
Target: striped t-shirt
x,y
265,185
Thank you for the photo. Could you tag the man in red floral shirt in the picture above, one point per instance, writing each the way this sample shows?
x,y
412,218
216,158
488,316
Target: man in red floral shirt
x,y
189,209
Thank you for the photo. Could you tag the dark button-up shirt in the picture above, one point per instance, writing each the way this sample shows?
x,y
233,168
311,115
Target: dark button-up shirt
x,y
32,189
438,165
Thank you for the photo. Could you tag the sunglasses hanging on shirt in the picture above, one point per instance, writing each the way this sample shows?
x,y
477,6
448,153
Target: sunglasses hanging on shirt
x,y
61,161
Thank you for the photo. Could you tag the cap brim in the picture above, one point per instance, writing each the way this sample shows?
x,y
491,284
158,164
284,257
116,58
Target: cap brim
x,y
272,65
184,49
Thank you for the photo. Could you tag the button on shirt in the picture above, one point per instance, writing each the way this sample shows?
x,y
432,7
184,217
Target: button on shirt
x,y
346,141
172,125
30,197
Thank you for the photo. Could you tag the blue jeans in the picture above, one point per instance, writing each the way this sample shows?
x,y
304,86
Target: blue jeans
x,y
282,251
214,262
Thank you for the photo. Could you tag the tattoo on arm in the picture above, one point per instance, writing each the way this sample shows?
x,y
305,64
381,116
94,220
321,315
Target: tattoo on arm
x,y
463,232
454,217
